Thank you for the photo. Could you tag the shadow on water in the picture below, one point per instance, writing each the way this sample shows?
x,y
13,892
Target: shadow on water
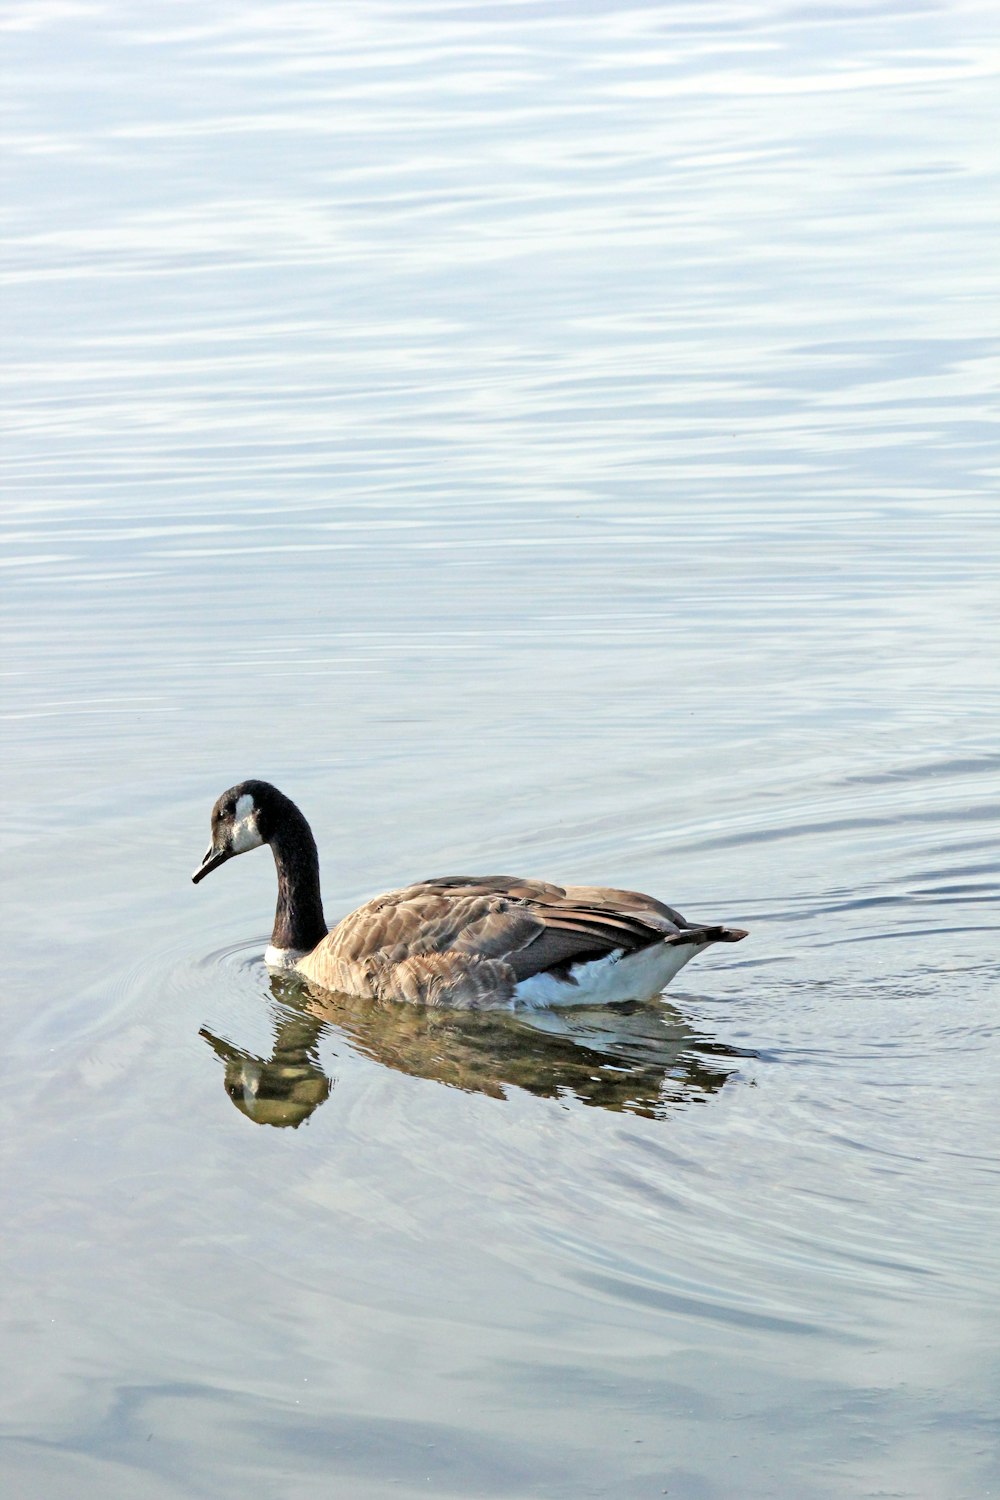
x,y
639,1058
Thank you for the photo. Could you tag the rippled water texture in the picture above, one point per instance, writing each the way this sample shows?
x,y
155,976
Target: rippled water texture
x,y
553,439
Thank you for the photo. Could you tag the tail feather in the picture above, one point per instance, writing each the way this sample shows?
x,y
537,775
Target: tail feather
x,y
702,935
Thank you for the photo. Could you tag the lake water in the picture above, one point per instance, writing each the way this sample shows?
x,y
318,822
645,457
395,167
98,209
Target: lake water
x,y
550,439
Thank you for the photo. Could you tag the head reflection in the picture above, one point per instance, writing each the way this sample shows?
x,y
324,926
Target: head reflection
x,y
639,1058
282,1089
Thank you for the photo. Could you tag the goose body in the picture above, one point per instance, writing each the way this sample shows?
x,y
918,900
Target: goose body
x,y
461,941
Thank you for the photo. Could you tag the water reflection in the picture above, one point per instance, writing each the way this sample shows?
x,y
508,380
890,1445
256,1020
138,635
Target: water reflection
x,y
286,1087
641,1058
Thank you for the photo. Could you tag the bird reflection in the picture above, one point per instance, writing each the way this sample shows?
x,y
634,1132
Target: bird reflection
x,y
286,1087
640,1058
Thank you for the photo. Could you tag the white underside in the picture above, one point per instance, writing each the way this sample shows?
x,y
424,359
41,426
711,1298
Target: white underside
x,y
632,976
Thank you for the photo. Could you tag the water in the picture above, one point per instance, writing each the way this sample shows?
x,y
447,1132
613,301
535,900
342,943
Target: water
x,y
547,439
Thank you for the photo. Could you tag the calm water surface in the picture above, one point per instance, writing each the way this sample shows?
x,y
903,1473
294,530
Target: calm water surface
x,y
548,439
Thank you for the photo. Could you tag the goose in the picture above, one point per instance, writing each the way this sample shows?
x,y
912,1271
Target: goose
x,y
468,942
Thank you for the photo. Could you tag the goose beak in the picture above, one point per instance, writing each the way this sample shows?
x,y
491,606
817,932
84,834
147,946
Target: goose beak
x,y
212,860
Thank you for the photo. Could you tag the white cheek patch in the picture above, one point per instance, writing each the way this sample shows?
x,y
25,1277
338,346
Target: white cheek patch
x,y
245,833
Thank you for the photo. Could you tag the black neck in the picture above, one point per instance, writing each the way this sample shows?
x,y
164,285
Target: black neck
x,y
298,917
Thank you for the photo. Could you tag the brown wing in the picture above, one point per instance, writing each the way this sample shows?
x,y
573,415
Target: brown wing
x,y
461,940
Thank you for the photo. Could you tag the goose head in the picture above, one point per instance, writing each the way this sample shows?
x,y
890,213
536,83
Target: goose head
x,y
254,813
243,818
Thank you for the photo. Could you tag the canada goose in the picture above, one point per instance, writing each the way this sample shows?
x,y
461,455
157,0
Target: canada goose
x,y
463,941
